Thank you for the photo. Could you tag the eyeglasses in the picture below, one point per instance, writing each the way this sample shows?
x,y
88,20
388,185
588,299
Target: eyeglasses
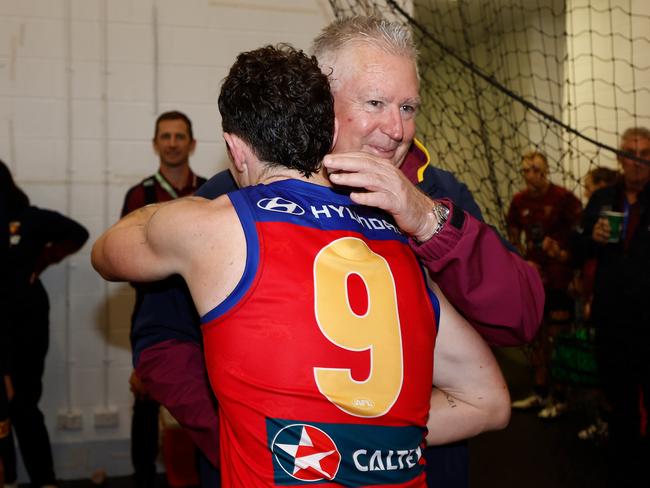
x,y
633,153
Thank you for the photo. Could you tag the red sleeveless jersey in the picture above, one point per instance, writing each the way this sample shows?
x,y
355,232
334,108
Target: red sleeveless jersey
x,y
322,357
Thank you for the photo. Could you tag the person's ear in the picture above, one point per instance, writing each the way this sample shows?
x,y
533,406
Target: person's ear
x,y
155,146
192,146
235,151
239,156
336,133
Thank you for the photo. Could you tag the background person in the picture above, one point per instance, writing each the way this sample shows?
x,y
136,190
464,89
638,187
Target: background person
x,y
598,430
541,219
37,239
595,179
288,247
573,356
7,453
167,341
620,312
173,142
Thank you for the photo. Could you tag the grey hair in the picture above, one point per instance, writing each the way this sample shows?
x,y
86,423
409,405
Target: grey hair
x,y
393,37
636,132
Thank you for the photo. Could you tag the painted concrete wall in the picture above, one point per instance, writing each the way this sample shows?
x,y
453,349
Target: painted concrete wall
x,y
81,83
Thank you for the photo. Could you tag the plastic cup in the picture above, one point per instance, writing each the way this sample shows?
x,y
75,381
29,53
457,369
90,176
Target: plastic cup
x,y
615,224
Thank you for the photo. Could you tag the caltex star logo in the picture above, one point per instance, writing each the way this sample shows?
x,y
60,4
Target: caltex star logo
x,y
306,453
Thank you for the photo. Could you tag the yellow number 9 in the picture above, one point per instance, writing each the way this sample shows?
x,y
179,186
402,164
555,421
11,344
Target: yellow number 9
x,y
377,330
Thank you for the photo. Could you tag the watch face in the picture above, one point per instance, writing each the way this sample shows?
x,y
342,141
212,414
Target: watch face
x,y
441,212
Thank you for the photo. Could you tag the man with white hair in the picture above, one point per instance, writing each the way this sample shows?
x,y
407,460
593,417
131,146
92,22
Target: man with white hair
x,y
322,338
372,66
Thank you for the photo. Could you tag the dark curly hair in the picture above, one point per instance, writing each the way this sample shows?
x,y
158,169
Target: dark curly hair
x,y
278,101
604,175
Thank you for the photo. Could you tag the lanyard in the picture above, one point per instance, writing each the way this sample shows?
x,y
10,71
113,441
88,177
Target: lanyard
x,y
166,186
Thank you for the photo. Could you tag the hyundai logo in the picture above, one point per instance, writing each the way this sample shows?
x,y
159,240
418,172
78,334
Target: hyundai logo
x,y
279,204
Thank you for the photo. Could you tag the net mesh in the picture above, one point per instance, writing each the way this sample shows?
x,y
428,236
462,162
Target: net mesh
x,y
499,78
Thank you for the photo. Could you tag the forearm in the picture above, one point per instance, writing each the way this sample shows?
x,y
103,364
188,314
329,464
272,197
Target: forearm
x,y
452,419
470,394
495,289
173,373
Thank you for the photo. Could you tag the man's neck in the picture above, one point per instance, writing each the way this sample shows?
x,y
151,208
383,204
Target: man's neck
x,y
539,192
178,176
632,195
633,188
287,174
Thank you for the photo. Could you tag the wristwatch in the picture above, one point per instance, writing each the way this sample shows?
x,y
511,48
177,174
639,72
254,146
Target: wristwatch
x,y
441,213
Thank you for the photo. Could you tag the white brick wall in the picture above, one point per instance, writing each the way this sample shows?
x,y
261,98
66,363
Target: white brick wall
x,y
57,58
75,152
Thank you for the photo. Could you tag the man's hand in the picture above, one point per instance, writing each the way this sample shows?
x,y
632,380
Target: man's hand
x,y
137,388
553,250
9,387
601,231
384,186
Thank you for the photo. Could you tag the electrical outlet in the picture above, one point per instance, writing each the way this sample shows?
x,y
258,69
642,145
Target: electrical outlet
x,y
71,419
107,417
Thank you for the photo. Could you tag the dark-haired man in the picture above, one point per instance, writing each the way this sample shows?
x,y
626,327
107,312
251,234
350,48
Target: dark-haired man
x,y
372,65
318,324
173,142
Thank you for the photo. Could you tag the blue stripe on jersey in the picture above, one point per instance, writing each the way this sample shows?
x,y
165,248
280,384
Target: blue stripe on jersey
x,y
252,258
435,302
436,306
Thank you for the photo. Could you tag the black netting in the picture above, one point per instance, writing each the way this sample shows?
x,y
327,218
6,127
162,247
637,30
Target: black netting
x,y
502,77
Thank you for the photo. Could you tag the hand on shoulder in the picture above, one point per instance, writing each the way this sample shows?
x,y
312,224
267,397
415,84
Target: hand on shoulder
x,y
380,184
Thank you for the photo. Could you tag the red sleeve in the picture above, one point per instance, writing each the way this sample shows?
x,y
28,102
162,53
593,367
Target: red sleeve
x,y
173,373
493,287
512,217
573,210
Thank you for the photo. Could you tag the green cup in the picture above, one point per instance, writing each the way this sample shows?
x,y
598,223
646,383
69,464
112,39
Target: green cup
x,y
615,224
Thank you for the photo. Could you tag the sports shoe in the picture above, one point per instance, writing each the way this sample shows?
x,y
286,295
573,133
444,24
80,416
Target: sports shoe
x,y
533,401
553,410
598,431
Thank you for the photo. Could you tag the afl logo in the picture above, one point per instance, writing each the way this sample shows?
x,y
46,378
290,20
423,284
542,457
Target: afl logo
x,y
281,205
306,453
